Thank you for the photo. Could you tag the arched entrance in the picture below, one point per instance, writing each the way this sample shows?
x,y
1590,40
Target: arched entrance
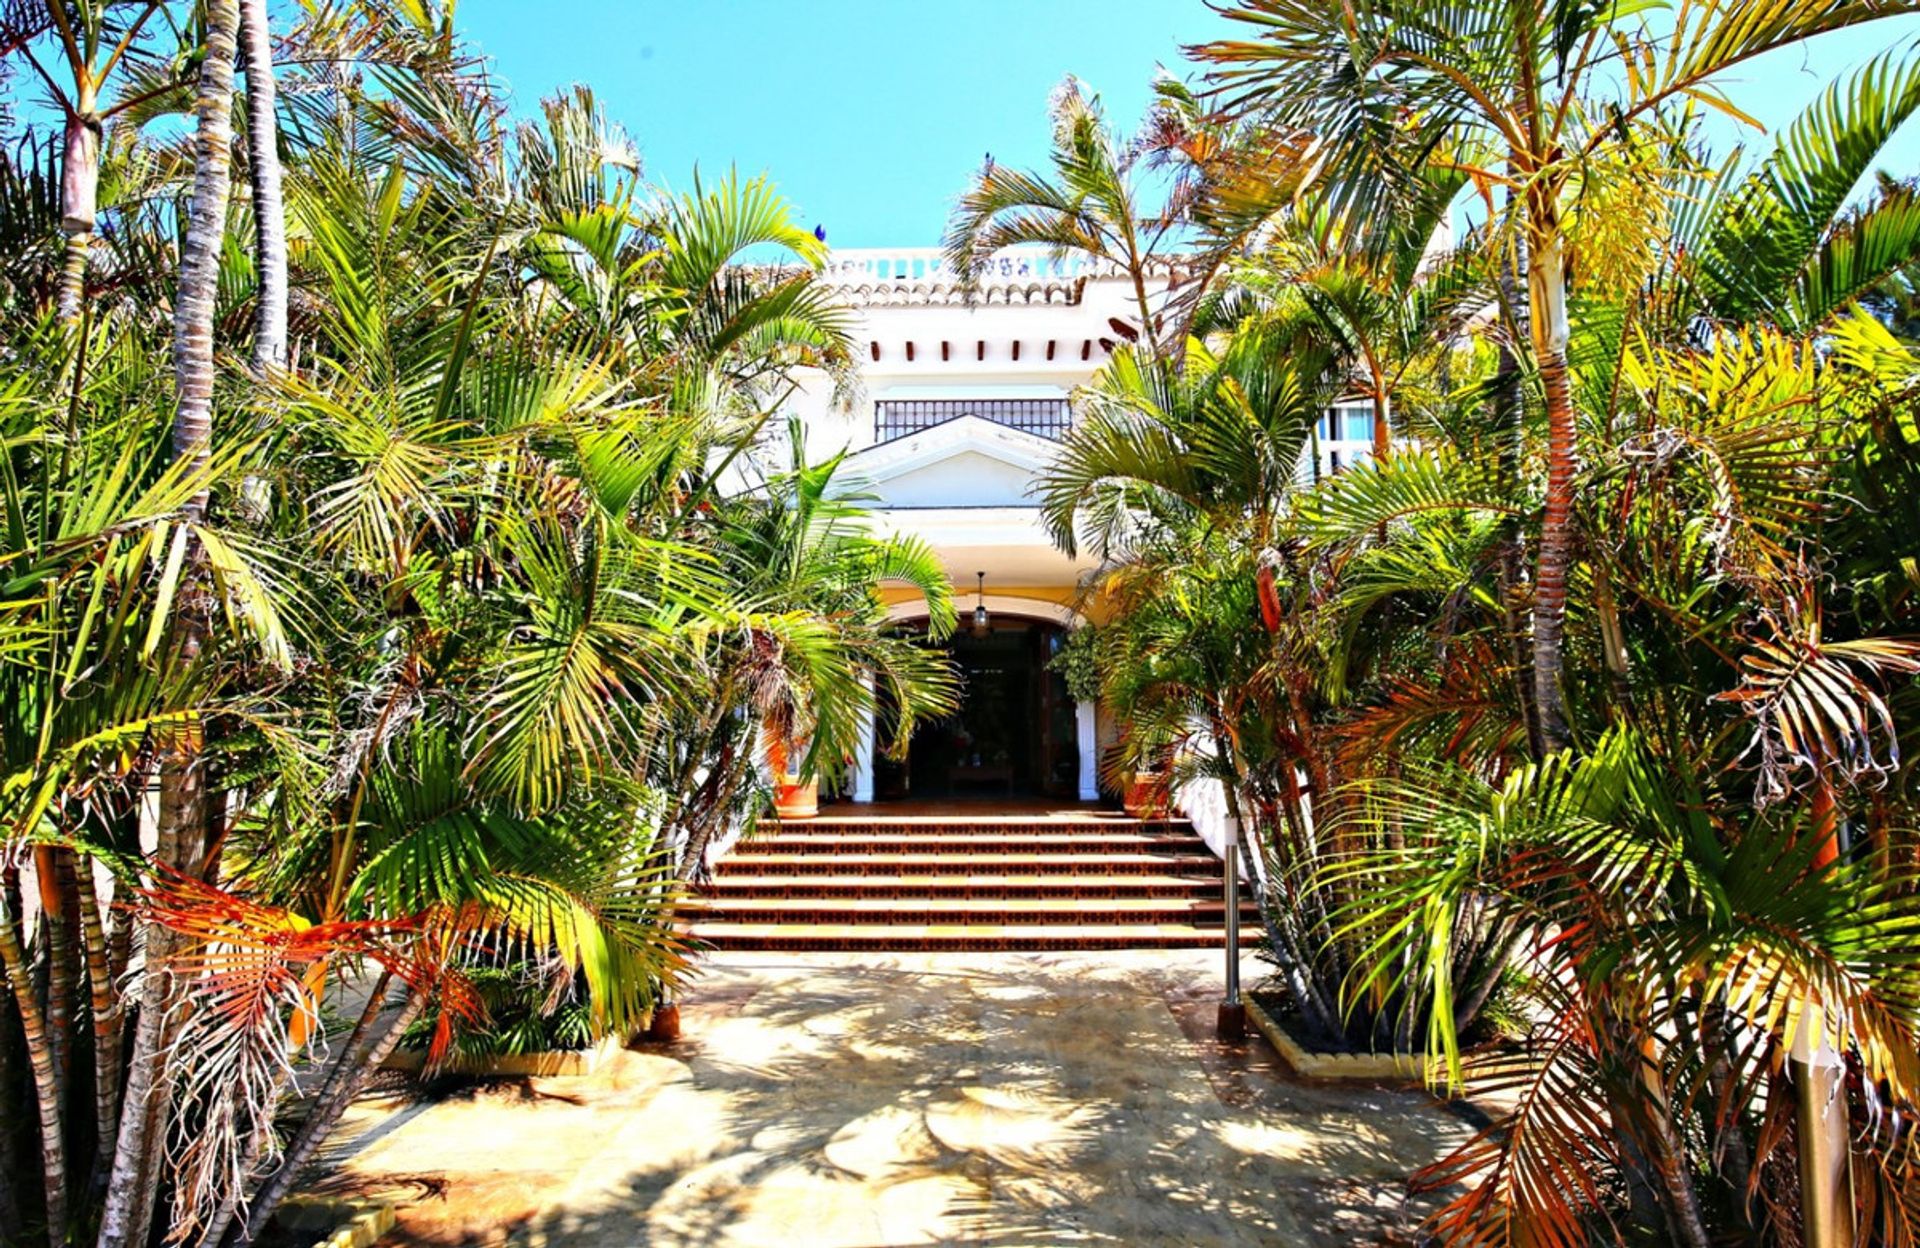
x,y
1018,731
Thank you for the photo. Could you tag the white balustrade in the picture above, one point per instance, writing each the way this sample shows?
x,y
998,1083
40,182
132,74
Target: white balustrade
x,y
855,265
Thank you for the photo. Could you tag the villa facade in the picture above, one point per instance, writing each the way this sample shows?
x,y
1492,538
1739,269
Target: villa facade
x,y
963,401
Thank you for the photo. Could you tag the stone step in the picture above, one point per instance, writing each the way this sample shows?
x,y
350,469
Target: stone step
x,y
728,884
945,938
836,825
1004,911
751,860
1069,880
973,844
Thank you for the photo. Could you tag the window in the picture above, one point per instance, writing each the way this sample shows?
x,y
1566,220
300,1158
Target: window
x,y
1349,422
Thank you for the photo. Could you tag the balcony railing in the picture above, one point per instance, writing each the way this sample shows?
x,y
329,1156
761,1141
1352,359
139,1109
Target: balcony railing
x,y
898,418
928,264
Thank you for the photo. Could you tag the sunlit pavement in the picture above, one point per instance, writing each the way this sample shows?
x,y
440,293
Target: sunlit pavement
x,y
839,1099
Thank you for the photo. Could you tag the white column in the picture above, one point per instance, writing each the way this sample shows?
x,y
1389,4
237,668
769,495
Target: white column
x,y
1087,730
863,757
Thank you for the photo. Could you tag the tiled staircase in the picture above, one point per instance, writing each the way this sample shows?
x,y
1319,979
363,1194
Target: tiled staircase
x,y
1062,881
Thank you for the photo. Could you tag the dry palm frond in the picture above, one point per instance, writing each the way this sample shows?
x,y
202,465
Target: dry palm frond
x,y
253,975
1814,707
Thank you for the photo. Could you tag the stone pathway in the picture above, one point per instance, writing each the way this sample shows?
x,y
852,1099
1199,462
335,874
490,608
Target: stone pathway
x,y
867,1100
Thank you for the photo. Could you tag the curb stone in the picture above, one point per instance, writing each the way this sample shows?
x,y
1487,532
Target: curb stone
x,y
346,1223
1310,1065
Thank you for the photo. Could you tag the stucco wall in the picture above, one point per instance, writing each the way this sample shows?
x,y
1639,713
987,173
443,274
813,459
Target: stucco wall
x,y
968,479
1092,609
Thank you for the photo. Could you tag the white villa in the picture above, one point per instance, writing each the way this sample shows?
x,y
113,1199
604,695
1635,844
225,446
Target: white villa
x,y
964,401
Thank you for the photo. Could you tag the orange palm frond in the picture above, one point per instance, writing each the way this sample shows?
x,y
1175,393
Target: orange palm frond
x,y
1467,713
1534,1173
253,975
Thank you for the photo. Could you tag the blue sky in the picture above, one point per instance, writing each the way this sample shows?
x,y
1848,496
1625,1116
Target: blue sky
x,y
871,114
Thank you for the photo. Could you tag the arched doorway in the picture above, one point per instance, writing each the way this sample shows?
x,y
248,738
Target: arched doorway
x,y
1017,733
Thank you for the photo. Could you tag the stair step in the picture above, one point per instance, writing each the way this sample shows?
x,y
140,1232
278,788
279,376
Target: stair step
x,y
727,884
973,844
1003,911
754,862
834,825
1069,880
940,938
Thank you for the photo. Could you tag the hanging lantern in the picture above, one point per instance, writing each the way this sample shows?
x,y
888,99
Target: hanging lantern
x,y
980,617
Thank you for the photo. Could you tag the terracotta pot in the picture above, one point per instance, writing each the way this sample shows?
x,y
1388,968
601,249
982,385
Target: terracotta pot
x,y
1146,796
794,798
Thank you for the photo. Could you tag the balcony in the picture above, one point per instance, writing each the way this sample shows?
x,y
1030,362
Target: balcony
x,y
899,418
851,265
870,277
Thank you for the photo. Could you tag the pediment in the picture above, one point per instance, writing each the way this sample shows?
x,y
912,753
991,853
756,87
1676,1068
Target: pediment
x,y
960,439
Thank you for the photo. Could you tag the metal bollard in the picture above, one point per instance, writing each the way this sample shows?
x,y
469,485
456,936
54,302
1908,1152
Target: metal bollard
x,y
1232,1021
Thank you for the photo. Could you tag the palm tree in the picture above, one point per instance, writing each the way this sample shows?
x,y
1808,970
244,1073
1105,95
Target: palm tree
x,y
1160,443
263,170
1775,241
95,38
1528,96
1088,203
809,657
1393,301
660,278
182,814
1699,577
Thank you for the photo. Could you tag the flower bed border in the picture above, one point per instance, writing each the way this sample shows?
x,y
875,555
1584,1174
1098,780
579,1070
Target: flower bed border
x,y
1312,1065
347,1223
544,1064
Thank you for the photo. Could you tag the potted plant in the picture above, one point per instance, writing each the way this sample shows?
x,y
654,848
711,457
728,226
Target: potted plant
x,y
794,796
1149,793
1148,789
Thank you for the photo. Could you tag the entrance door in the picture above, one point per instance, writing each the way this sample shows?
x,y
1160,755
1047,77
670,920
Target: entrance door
x,y
1013,734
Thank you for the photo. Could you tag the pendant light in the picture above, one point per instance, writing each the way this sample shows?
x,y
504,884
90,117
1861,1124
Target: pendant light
x,y
980,608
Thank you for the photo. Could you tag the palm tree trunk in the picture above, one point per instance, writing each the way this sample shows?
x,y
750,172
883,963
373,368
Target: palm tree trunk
x,y
79,197
16,1080
1685,1221
1136,267
105,1016
53,871
1547,287
346,1082
269,210
1510,422
182,801
193,305
53,1162
126,1210
71,300
1481,955
1296,965
716,738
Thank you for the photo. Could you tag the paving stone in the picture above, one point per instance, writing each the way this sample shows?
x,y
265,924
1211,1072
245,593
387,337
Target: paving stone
x,y
831,1100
